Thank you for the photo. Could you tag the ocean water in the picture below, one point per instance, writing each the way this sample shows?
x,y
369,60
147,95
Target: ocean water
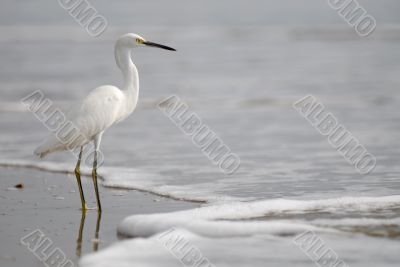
x,y
240,72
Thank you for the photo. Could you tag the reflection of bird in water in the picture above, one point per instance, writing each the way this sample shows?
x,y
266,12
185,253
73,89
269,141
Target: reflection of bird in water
x,y
103,107
96,239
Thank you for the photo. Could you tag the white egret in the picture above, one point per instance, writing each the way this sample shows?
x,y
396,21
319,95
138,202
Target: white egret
x,y
103,107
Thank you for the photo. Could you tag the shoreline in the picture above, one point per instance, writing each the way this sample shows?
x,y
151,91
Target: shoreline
x,y
49,201
85,172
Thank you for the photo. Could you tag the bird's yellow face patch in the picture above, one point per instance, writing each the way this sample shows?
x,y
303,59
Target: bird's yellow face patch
x,y
139,41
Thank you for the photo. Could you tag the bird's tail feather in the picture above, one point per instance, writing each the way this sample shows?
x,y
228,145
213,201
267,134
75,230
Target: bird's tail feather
x,y
47,148
40,153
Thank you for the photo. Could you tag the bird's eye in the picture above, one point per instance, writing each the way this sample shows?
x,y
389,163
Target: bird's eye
x,y
138,41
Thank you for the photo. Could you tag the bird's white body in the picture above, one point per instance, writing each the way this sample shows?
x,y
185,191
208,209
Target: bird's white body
x,y
103,107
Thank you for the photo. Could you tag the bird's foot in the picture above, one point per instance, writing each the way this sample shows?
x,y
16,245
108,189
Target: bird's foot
x,y
85,207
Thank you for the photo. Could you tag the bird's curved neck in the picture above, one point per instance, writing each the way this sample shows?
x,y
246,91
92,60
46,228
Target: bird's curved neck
x,y
128,69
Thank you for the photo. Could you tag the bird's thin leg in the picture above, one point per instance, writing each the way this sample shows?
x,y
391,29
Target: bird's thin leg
x,y
78,178
94,175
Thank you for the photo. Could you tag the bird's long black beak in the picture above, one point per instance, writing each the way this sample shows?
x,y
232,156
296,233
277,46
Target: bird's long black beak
x,y
158,45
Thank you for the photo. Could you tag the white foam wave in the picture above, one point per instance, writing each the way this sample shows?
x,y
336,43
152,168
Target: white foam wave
x,y
262,250
210,230
223,219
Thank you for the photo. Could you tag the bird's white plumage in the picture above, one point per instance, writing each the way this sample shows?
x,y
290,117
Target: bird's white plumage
x,y
104,106
99,110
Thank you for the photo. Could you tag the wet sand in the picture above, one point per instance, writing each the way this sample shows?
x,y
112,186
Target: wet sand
x,y
50,202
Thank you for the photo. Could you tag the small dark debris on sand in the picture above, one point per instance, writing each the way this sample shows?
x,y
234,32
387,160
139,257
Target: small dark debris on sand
x,y
19,186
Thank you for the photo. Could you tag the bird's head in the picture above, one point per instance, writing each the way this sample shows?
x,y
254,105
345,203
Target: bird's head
x,y
132,40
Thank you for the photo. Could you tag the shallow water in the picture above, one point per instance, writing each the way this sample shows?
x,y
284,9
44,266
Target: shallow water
x,y
243,95
241,79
